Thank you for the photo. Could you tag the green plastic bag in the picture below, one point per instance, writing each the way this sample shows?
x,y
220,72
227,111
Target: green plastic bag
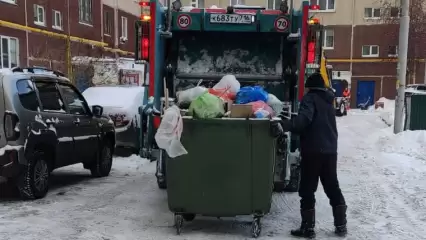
x,y
207,106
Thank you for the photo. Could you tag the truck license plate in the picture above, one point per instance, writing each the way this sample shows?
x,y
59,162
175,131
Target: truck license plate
x,y
232,18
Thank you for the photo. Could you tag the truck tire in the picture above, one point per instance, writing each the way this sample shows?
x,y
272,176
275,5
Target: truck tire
x,y
279,187
161,176
293,185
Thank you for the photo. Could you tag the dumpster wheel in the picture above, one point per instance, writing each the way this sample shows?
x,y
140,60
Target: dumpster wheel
x,y
178,223
256,227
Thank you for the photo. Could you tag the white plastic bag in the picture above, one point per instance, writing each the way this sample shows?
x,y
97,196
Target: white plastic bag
x,y
191,94
275,103
169,133
228,82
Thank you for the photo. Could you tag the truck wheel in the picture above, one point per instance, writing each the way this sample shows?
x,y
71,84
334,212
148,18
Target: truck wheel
x,y
33,183
161,170
279,187
293,185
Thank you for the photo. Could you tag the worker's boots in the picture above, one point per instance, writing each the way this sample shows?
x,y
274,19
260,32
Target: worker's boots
x,y
306,229
339,214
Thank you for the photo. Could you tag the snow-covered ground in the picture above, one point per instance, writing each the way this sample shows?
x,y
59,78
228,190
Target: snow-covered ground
x,y
382,177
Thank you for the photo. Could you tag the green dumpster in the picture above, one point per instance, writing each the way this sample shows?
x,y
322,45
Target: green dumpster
x,y
227,172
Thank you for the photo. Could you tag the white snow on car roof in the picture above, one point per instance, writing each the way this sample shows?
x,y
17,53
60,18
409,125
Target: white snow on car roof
x,y
114,96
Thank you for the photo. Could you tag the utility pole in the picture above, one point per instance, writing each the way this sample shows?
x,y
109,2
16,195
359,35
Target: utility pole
x,y
404,29
68,45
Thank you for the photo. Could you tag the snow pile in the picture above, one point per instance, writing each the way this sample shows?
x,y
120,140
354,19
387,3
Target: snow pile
x,y
407,143
117,100
387,113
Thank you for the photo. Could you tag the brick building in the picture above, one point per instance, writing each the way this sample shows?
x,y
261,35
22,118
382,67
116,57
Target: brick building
x,y
36,32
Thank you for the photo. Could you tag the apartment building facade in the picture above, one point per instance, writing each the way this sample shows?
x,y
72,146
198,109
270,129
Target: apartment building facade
x,y
36,32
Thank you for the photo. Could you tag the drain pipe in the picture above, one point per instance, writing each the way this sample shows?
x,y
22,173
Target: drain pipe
x,y
352,38
26,34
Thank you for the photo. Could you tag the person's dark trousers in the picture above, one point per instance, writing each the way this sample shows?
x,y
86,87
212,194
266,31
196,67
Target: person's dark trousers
x,y
315,167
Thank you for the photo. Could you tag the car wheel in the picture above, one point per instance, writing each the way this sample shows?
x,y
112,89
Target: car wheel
x,y
102,166
33,183
341,110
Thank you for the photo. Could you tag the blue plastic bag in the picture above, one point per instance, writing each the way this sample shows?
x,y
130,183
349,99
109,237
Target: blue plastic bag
x,y
251,94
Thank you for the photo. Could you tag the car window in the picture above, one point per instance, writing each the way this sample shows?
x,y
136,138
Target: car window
x,y
75,102
421,88
50,97
27,94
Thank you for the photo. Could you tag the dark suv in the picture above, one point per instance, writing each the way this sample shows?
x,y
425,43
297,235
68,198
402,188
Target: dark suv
x,y
47,124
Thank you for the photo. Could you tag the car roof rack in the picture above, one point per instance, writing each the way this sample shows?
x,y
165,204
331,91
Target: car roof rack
x,y
34,70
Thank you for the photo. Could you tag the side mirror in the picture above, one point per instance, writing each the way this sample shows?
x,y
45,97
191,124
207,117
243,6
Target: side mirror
x,y
97,110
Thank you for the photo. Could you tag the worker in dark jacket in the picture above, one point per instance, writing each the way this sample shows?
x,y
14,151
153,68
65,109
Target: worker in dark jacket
x,y
316,126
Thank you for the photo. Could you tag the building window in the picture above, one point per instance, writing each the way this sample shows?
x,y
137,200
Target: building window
x,y
393,51
194,3
325,5
57,20
85,11
8,52
124,27
371,13
370,51
237,2
274,4
39,15
108,23
328,39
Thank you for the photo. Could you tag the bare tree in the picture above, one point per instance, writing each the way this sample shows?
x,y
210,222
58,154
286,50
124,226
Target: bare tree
x,y
390,14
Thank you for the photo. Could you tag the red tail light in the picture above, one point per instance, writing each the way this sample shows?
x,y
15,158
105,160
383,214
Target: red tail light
x,y
145,48
311,52
315,7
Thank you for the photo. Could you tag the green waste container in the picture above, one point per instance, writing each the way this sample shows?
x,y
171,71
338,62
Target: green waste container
x,y
227,172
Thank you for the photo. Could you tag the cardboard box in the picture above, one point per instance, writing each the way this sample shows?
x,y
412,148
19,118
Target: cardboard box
x,y
241,111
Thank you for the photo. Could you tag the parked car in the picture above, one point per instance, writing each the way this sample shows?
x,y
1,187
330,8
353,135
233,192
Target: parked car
x,y
121,104
415,89
47,125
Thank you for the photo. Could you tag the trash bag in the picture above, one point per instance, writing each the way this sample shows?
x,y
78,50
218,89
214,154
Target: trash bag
x,y
251,94
262,110
275,103
207,106
225,94
228,82
191,94
169,133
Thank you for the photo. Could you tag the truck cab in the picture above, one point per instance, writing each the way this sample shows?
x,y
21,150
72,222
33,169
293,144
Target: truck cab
x,y
183,47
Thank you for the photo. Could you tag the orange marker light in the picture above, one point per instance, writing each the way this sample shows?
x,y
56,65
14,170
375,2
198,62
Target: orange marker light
x,y
313,21
145,18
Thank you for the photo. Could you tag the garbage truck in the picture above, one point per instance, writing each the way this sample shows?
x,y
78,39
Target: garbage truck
x,y
183,47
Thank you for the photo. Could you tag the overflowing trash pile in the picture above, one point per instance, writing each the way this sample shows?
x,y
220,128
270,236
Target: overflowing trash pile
x,y
227,99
